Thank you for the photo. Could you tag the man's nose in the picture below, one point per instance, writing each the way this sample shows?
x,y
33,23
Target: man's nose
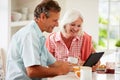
x,y
57,24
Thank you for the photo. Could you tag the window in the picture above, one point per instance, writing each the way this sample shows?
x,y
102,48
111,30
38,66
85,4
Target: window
x,y
109,23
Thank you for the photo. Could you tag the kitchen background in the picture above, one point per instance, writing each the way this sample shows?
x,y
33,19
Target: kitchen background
x,y
101,20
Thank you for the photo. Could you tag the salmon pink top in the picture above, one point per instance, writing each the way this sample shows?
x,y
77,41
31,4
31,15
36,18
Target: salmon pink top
x,y
81,46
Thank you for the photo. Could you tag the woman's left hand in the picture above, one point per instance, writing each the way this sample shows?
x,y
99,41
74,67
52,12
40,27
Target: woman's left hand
x,y
95,66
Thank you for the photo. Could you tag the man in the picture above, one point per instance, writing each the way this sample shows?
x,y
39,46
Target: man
x,y
28,58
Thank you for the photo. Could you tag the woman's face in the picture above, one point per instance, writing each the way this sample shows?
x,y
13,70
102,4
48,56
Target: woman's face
x,y
73,28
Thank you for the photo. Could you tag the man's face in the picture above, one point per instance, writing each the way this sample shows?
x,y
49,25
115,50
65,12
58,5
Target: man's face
x,y
51,21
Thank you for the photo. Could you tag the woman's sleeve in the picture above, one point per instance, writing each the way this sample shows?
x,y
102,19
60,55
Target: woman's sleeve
x,y
50,44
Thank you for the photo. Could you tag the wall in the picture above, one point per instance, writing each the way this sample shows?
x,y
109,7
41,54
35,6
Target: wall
x,y
89,10
4,34
4,22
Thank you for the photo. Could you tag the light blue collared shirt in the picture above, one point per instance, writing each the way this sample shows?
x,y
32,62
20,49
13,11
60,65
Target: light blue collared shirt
x,y
27,48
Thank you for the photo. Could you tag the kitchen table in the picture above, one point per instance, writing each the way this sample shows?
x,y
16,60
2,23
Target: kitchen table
x,y
95,76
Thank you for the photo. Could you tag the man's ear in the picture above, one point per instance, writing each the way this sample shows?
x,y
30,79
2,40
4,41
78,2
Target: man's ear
x,y
42,16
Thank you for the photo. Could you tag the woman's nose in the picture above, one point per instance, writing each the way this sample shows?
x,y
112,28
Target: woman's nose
x,y
76,28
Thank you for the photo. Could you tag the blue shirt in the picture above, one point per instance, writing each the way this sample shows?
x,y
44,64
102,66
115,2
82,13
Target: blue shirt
x,y
27,48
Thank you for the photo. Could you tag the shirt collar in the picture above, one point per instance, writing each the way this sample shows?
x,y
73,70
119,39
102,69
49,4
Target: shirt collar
x,y
37,29
58,37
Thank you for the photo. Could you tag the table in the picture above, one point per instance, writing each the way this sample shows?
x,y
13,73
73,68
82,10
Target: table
x,y
95,76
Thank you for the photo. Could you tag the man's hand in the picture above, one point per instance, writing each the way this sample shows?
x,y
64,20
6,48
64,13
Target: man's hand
x,y
61,67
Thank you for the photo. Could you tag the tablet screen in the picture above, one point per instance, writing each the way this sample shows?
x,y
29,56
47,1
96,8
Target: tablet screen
x,y
93,59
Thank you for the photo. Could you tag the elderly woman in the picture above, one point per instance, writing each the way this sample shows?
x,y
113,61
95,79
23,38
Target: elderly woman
x,y
71,43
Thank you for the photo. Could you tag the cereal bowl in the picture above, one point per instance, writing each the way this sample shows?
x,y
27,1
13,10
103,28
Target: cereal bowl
x,y
16,16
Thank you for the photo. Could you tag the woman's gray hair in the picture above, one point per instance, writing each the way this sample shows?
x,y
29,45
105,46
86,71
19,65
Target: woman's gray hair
x,y
69,17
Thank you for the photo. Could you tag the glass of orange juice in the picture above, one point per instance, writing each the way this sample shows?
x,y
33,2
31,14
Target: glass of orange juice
x,y
77,74
76,68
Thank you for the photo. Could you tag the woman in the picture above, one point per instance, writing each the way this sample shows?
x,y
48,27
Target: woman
x,y
71,43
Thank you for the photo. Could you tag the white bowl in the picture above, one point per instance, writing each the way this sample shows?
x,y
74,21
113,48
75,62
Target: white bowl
x,y
16,16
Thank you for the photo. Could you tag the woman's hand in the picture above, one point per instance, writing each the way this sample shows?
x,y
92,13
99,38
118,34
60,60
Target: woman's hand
x,y
95,66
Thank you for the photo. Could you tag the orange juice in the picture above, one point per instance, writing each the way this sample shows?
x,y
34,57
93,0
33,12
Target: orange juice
x,y
77,74
76,68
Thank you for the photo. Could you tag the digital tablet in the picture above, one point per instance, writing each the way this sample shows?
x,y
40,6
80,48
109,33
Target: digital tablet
x,y
93,59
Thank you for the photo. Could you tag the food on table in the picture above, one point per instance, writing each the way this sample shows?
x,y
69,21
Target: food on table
x,y
102,67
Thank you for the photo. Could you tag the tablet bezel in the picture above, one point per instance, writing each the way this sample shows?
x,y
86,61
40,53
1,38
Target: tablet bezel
x,y
93,59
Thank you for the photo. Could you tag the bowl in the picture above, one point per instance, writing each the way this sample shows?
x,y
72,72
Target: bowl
x,y
16,16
